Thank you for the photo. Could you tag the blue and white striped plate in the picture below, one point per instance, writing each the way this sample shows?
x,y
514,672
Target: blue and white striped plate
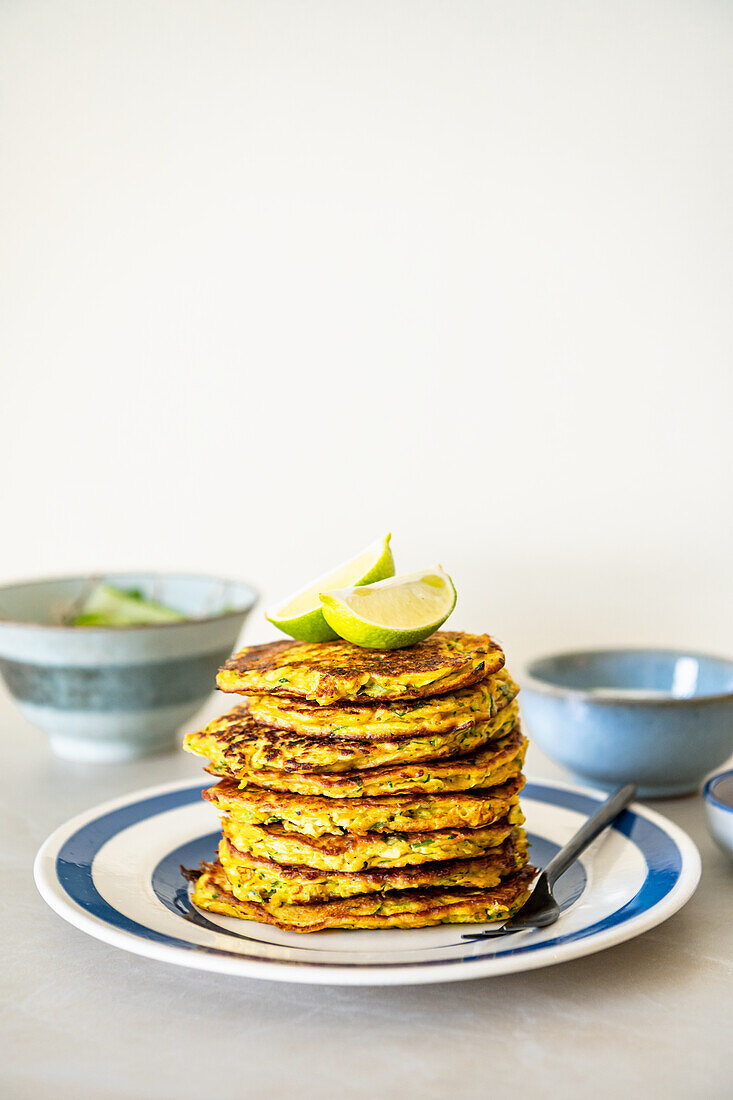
x,y
114,872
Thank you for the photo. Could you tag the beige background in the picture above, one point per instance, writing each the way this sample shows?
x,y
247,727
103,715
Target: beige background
x,y
279,277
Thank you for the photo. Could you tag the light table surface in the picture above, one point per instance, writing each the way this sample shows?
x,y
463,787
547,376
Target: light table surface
x,y
80,1019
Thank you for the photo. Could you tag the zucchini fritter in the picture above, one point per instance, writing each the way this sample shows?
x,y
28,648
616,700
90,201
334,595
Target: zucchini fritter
x,y
496,762
252,878
236,745
406,813
381,721
328,671
398,909
358,851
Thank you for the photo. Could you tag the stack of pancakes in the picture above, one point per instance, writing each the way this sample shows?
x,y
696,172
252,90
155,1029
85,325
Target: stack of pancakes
x,y
367,788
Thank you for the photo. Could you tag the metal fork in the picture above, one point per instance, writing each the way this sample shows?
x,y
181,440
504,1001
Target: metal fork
x,y
540,908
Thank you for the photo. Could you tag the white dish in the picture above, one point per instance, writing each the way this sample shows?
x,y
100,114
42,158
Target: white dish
x,y
114,872
718,795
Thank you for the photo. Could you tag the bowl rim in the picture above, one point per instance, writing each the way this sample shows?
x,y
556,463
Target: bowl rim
x,y
709,795
221,617
533,683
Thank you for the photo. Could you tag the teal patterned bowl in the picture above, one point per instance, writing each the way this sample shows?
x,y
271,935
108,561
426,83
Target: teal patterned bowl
x,y
662,719
113,693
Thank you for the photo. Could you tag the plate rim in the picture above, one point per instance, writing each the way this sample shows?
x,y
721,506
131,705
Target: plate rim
x,y
56,897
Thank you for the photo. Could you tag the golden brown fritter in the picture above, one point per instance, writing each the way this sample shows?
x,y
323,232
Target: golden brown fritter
x,y
252,878
386,721
402,813
328,671
496,762
236,745
358,851
398,909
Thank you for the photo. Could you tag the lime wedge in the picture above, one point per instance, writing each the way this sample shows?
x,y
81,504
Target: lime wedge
x,y
301,616
391,613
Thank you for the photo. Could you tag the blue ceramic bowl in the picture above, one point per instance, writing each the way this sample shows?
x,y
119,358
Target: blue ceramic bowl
x,y
112,693
718,794
662,719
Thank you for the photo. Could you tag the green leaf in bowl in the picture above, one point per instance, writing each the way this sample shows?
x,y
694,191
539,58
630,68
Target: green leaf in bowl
x,y
109,606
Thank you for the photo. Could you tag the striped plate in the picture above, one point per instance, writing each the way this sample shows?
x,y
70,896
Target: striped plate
x,y
114,872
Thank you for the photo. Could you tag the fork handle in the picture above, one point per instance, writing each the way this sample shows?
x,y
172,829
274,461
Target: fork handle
x,y
588,832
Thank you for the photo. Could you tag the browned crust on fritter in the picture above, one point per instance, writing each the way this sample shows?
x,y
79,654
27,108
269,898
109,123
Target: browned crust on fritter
x,y
342,742
333,714
335,844
431,901
503,855
239,733
350,784
242,727
338,663
275,800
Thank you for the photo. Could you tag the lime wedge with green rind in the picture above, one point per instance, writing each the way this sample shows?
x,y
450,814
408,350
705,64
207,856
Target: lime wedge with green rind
x,y
391,613
301,616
